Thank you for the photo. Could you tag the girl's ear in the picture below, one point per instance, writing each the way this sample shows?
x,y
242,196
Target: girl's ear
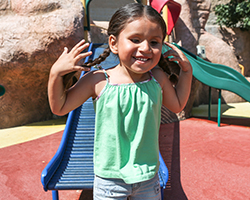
x,y
113,44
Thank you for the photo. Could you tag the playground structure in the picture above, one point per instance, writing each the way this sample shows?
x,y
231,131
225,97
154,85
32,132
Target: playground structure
x,y
72,166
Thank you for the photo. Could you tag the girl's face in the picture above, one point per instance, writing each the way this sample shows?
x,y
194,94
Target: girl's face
x,y
138,45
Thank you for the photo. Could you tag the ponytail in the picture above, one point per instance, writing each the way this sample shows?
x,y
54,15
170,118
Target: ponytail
x,y
170,67
68,79
100,59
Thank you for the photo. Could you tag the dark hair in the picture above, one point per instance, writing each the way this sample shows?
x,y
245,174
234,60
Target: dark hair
x,y
131,12
125,15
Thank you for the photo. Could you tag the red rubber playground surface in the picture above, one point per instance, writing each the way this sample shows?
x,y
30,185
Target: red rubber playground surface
x,y
204,161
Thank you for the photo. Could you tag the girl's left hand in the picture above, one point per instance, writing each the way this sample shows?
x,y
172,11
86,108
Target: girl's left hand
x,y
177,55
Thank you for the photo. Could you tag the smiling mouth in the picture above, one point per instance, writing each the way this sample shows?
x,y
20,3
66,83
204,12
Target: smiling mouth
x,y
142,59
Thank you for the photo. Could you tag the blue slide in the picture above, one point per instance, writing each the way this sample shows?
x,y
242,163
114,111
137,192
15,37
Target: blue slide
x,y
71,168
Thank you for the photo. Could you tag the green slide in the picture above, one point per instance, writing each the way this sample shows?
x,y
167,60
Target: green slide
x,y
217,75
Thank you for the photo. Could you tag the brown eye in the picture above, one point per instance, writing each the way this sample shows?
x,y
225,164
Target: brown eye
x,y
136,41
154,43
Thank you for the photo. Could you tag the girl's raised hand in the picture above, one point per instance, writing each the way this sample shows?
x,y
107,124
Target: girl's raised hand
x,y
176,54
68,61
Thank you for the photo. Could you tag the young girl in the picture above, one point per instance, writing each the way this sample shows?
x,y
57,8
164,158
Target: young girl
x,y
127,100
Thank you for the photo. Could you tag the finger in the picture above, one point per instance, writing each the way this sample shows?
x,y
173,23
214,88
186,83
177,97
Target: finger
x,y
79,47
171,46
81,68
174,48
174,52
170,49
65,51
176,58
79,51
170,53
82,55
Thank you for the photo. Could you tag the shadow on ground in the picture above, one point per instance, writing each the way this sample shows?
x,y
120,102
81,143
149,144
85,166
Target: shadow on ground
x,y
170,150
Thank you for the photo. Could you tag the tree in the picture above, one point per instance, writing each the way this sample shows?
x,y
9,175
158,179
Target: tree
x,y
234,14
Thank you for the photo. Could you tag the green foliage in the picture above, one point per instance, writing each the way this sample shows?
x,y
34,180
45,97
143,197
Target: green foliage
x,y
236,13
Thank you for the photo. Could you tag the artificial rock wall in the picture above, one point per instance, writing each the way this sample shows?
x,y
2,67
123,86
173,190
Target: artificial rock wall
x,y
32,36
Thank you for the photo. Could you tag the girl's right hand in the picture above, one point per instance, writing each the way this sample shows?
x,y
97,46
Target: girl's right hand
x,y
178,56
68,61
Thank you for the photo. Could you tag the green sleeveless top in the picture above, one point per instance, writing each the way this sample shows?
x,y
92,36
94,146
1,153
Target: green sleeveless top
x,y
126,130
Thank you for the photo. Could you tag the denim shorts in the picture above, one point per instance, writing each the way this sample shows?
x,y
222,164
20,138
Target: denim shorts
x,y
105,189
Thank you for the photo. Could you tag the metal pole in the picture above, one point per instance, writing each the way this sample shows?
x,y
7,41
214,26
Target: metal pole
x,y
85,20
219,107
55,195
165,17
209,104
